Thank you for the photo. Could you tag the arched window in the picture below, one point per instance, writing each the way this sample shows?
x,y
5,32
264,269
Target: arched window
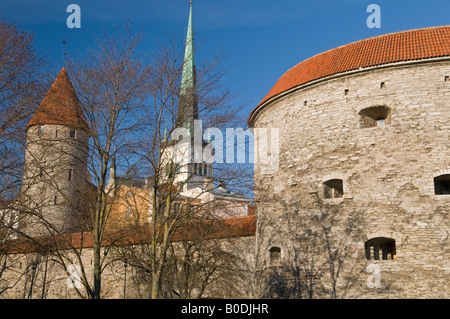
x,y
442,185
275,256
375,116
380,248
333,188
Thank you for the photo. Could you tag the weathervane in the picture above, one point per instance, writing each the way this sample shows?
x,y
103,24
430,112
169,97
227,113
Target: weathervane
x,y
64,42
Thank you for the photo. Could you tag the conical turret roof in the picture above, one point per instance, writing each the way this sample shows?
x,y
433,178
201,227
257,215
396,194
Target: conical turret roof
x,y
60,105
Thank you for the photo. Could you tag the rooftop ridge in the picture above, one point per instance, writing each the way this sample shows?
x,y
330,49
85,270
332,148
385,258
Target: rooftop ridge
x,y
375,37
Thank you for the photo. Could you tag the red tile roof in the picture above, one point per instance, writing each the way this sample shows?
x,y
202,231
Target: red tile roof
x,y
60,105
394,47
227,228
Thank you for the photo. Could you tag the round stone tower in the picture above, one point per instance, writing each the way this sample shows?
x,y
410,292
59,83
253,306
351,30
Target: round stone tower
x,y
55,174
360,204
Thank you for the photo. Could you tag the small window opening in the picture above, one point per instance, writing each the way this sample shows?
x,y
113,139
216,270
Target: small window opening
x,y
129,210
382,85
446,78
72,134
305,102
200,169
275,256
195,169
41,172
380,248
346,92
376,116
69,177
55,200
333,188
442,185
41,130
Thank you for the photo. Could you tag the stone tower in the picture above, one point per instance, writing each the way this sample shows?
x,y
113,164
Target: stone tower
x,y
359,206
55,174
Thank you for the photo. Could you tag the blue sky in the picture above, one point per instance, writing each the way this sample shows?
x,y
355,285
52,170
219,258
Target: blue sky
x,y
261,39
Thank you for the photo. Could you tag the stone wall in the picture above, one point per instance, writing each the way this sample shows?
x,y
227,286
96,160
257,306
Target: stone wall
x,y
35,275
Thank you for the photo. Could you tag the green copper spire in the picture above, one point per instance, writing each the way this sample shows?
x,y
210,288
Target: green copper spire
x,y
188,107
188,76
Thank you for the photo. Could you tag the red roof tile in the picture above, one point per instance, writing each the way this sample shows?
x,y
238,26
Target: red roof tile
x,y
227,228
60,105
394,47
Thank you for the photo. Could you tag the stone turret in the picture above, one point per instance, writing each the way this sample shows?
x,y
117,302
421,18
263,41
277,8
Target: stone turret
x,y
363,180
55,173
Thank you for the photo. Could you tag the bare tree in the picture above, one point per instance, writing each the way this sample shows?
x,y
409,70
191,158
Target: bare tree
x,y
22,75
21,78
180,191
322,243
175,175
112,84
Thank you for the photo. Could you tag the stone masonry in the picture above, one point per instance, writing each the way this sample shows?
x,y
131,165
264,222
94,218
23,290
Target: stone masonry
x,y
387,176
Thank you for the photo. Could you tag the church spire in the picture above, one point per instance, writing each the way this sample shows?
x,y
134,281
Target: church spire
x,y
188,108
188,76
